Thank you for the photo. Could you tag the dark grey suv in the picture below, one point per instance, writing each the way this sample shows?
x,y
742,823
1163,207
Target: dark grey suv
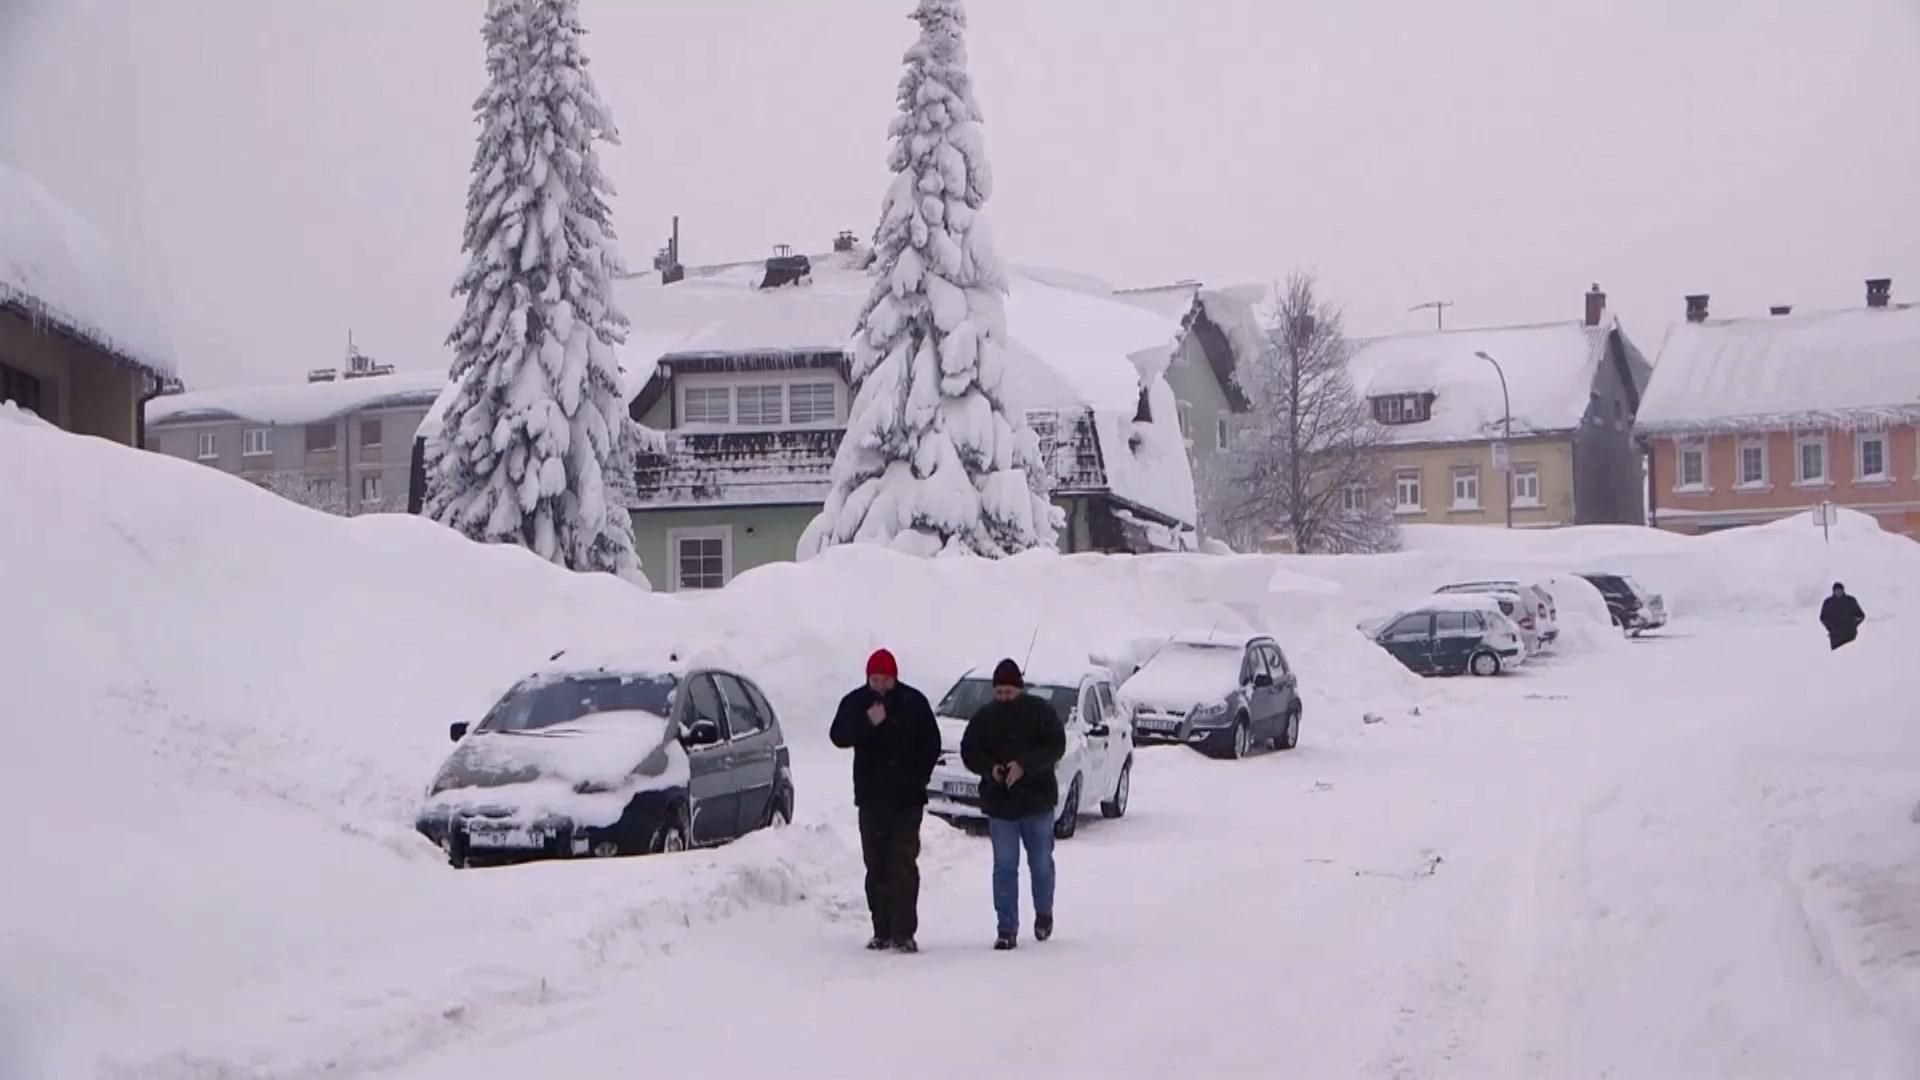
x,y
589,760
1223,694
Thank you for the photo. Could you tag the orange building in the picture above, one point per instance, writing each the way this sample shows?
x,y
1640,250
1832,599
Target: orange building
x,y
1754,419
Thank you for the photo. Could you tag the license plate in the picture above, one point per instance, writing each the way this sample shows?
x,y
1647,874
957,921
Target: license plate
x,y
1158,725
505,838
961,788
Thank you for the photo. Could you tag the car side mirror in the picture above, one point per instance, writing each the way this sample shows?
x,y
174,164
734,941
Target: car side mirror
x,y
457,731
702,733
1263,680
1099,731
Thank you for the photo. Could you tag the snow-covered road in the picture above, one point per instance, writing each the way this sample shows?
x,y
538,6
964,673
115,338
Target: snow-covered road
x,y
1586,870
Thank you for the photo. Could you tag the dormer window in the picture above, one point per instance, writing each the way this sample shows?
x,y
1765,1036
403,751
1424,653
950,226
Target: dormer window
x,y
1403,408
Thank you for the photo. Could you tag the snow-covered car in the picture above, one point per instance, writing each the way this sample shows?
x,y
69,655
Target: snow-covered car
x,y
1542,617
611,760
1096,772
1221,693
1633,608
1454,634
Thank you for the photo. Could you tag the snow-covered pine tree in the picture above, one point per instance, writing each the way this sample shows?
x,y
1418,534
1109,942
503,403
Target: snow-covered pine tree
x,y
936,458
538,415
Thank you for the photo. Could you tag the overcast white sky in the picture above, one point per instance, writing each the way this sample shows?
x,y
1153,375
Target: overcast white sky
x,y
282,170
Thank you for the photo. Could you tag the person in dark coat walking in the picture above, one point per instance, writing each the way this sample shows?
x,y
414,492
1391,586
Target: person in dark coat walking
x,y
1841,615
895,742
1014,744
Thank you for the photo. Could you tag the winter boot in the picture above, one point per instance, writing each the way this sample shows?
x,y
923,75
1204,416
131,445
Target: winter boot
x,y
1006,942
879,944
906,945
1042,927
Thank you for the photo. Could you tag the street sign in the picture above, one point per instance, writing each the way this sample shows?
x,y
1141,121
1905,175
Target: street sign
x,y
1502,457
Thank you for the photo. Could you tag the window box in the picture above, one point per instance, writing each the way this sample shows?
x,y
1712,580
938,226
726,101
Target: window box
x,y
700,559
1526,487
1466,490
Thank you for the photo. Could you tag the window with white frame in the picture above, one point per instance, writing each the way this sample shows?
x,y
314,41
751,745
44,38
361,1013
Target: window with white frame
x,y
810,403
760,406
1753,462
707,405
209,445
1526,485
1466,489
254,442
1223,433
700,558
1353,498
1870,457
1810,460
370,488
1690,474
1406,491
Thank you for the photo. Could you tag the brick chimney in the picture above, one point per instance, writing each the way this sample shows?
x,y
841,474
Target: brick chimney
x,y
1879,291
1596,305
1697,307
1780,309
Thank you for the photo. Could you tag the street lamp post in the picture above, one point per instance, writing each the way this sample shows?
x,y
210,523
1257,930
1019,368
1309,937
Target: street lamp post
x,y
1506,430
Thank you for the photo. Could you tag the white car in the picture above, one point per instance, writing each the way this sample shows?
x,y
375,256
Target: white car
x,y
1095,774
1539,617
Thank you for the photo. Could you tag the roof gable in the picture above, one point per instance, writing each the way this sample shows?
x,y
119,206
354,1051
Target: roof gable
x,y
1549,369
1860,365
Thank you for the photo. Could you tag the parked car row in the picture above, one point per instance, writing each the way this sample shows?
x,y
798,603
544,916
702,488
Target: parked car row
x,y
1487,627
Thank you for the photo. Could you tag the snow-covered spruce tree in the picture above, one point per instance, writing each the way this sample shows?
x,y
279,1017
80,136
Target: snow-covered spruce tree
x,y
537,417
937,458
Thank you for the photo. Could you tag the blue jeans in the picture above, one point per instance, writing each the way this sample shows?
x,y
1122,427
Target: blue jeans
x,y
1036,834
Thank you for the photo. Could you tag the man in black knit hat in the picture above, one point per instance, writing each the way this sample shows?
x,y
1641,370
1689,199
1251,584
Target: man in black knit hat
x,y
1014,743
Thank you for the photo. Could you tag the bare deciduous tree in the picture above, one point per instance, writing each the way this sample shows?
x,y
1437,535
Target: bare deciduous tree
x,y
1304,463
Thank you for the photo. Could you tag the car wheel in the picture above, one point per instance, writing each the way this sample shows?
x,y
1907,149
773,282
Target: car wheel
x,y
672,837
605,849
1069,822
1290,736
1117,806
1484,664
1242,739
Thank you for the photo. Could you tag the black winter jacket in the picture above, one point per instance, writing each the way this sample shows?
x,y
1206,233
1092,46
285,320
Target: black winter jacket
x,y
1841,615
1028,731
893,760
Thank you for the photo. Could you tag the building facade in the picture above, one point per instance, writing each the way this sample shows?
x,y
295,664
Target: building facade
x,y
340,443
1567,392
1750,420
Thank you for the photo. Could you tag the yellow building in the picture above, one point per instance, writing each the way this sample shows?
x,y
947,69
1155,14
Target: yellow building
x,y
1568,392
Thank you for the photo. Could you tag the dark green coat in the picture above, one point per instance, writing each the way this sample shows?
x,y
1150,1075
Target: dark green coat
x,y
1028,731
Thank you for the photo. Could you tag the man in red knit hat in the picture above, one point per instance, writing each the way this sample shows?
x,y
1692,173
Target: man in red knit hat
x,y
895,740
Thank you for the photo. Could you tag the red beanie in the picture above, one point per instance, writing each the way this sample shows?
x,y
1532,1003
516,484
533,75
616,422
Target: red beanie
x,y
881,663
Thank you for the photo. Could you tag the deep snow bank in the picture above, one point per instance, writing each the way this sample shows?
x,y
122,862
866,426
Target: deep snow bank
x,y
230,706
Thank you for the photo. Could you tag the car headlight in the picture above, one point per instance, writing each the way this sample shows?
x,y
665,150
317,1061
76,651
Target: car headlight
x,y
1203,714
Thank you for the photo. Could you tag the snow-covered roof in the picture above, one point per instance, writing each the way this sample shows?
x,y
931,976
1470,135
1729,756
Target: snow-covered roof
x,y
1550,370
1773,372
1458,602
59,268
1072,342
296,403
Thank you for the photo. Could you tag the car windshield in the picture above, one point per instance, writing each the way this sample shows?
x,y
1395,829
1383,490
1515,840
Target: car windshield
x,y
543,704
970,695
1200,669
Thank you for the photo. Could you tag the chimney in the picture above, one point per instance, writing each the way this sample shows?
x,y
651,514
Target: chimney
x,y
1596,305
1697,307
1879,291
844,242
1780,309
667,259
